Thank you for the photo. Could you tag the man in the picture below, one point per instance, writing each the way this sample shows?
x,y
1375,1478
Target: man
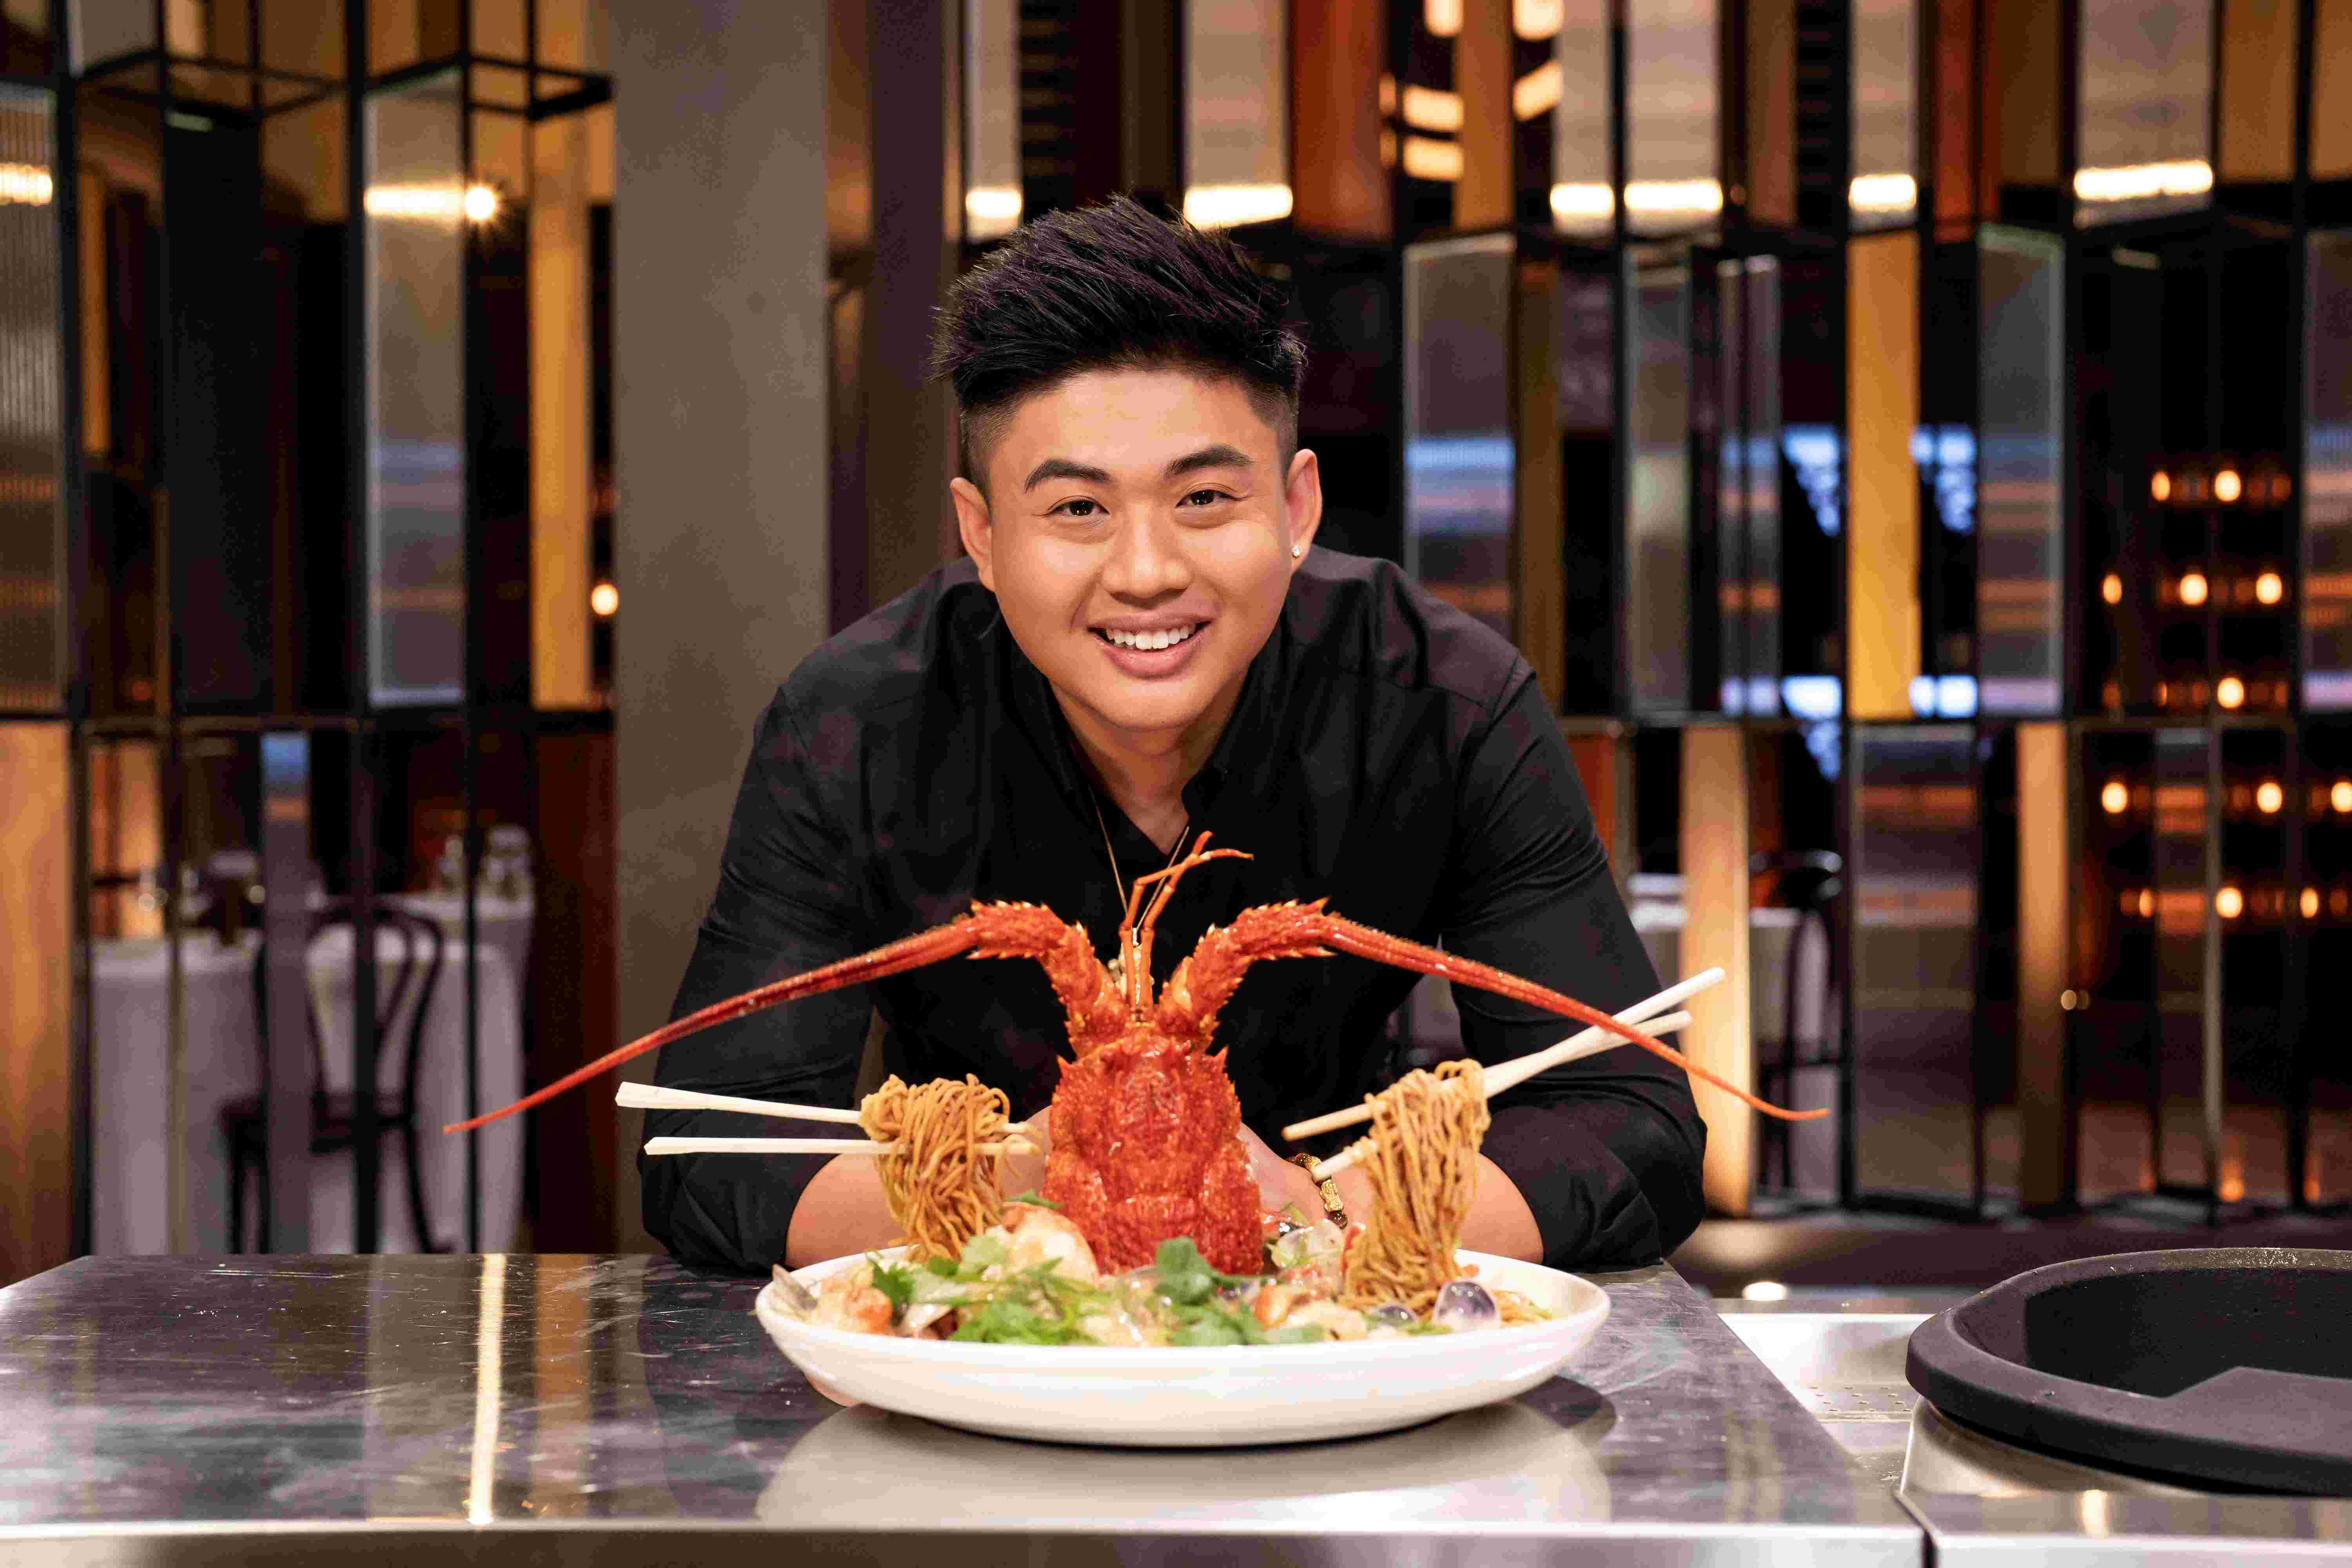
x,y
1140,647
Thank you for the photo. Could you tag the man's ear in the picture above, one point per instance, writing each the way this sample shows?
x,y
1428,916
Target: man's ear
x,y
1302,497
979,531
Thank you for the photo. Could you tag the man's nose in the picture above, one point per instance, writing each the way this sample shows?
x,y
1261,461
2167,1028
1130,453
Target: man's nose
x,y
1148,559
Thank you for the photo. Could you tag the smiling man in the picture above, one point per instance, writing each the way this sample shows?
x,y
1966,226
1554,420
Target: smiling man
x,y
1143,645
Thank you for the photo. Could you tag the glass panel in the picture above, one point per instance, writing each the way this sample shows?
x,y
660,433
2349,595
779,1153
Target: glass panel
x,y
2252,903
120,258
991,108
498,85
32,522
1885,185
403,32
1748,489
2324,906
103,30
2177,1085
1915,914
24,37
1584,363
1236,112
2328,477
304,36
216,463
1657,507
2144,129
500,30
1581,202
1670,116
415,344
2021,560
1458,451
571,34
2114,1037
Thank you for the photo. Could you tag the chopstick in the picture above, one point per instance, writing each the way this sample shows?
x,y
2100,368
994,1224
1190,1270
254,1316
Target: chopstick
x,y
786,1146
1362,1146
1511,1074
656,1097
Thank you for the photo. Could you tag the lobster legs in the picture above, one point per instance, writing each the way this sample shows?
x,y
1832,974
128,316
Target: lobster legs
x,y
1096,1012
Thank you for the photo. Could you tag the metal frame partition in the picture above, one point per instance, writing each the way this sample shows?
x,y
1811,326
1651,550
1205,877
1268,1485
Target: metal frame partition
x,y
260,546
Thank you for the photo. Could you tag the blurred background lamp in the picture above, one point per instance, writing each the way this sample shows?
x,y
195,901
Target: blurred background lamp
x,y
2231,692
2193,588
2310,903
2114,797
2269,797
2340,797
603,598
2270,588
2111,589
2159,485
2227,486
1763,1290
2228,903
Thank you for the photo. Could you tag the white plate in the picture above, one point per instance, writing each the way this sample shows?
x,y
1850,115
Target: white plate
x,y
1170,1396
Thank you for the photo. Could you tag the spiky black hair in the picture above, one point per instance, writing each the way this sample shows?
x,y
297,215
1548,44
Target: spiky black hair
x,y
1112,287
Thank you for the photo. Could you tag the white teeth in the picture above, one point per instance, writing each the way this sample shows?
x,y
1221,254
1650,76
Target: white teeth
x,y
1150,642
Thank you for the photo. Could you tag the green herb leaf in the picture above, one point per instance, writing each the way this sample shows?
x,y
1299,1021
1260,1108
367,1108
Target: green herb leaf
x,y
945,1268
894,1280
984,1251
1208,1329
1297,1334
1038,1198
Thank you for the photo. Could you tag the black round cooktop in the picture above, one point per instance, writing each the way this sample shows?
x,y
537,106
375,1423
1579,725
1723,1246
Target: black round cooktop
x,y
2224,1366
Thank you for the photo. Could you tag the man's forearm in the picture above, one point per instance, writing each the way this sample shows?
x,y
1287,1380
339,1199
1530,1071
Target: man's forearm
x,y
841,1211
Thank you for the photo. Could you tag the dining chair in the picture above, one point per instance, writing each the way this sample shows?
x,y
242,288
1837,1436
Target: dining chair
x,y
333,1119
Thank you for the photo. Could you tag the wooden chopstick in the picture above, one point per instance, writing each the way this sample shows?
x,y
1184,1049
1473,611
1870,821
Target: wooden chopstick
x,y
1362,1146
656,1097
786,1146
1510,1075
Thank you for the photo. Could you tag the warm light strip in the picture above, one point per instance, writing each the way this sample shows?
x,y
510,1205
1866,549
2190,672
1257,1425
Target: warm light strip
x,y
1427,160
2135,182
1643,198
1882,193
1537,92
489,1337
1430,109
1223,206
1537,19
1442,18
446,204
26,185
991,211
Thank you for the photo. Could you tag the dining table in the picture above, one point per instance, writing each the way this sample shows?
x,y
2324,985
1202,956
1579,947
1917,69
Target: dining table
x,y
220,1060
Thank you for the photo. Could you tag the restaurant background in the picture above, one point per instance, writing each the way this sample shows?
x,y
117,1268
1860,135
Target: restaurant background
x,y
1912,439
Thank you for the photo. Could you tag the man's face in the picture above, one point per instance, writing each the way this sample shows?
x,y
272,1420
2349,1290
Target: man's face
x,y
1137,531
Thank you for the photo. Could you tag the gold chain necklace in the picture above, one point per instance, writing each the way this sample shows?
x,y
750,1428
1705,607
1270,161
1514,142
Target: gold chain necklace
x,y
1102,823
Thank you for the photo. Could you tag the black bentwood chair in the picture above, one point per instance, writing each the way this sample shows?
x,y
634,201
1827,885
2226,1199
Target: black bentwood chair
x,y
332,1111
1810,880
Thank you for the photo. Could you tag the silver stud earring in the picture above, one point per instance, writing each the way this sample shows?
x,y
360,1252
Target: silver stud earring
x,y
1296,551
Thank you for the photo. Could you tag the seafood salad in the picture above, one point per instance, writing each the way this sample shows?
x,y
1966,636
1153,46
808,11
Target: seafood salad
x,y
1033,1279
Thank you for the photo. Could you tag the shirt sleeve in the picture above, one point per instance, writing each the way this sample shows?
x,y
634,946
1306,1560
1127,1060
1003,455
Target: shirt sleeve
x,y
1606,1150
788,899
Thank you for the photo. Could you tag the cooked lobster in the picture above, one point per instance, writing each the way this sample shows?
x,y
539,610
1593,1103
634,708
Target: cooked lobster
x,y
1144,1117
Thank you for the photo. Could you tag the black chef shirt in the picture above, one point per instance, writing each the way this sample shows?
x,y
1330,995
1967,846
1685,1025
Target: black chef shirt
x,y
1387,753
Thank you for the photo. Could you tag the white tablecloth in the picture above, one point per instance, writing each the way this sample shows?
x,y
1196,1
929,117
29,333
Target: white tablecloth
x,y
131,1149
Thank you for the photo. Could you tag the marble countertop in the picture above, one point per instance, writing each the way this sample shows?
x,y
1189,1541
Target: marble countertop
x,y
622,1409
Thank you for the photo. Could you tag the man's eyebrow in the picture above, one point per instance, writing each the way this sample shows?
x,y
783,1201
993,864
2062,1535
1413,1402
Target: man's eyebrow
x,y
1063,468
1217,457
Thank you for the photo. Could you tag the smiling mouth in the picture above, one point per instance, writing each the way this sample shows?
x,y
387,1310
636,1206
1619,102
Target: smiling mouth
x,y
1150,642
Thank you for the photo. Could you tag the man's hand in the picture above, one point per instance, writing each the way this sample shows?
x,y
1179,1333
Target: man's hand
x,y
1281,1183
1023,1170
